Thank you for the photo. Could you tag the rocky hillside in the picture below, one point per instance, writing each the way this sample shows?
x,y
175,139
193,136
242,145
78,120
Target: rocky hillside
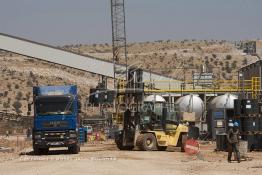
x,y
19,74
171,57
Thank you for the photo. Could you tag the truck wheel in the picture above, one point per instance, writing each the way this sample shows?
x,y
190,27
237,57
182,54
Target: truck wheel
x,y
74,149
147,142
119,143
41,151
44,151
183,142
36,151
161,148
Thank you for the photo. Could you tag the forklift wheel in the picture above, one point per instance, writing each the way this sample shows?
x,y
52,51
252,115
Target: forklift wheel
x,y
183,142
147,142
119,144
161,148
129,148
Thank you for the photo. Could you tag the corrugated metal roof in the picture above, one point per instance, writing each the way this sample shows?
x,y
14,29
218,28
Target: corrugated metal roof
x,y
59,56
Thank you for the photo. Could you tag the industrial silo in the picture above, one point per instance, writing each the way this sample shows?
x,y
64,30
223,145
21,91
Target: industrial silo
x,y
190,104
191,108
154,99
155,103
220,110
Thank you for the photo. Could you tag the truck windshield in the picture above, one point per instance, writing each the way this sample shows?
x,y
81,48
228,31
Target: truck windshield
x,y
54,105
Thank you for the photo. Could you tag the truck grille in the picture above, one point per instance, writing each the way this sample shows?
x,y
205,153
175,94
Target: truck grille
x,y
55,136
55,124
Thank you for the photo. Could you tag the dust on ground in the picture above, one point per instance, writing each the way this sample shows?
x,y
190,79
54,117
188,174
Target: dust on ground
x,y
105,158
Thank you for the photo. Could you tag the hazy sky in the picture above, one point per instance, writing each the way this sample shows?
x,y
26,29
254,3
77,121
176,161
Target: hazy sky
x,y
59,22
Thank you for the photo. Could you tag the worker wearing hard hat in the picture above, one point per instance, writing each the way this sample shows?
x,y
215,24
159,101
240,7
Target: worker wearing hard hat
x,y
233,140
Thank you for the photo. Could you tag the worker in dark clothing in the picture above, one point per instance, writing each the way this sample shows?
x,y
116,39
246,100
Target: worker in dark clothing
x,y
233,140
28,133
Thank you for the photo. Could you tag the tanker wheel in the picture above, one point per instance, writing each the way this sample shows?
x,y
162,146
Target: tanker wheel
x,y
147,142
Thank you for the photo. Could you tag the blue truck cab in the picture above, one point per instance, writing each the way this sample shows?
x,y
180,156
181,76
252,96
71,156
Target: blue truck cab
x,y
56,118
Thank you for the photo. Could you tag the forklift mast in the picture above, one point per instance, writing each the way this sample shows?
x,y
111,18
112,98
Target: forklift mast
x,y
134,94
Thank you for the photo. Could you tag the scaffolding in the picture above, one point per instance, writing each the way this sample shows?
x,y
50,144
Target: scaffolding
x,y
255,87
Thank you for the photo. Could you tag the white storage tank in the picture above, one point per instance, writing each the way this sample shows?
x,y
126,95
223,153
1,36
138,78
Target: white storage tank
x,y
220,111
190,103
225,101
154,99
157,101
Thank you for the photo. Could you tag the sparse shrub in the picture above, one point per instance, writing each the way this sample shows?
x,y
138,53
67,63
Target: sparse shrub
x,y
228,69
9,86
224,75
228,57
6,105
19,96
175,55
234,65
5,93
16,86
29,83
191,59
17,105
31,60
244,62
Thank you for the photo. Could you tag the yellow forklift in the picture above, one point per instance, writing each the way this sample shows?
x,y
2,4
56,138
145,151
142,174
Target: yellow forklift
x,y
149,124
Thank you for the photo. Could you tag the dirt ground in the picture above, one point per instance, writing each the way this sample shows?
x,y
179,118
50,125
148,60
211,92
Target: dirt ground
x,y
105,158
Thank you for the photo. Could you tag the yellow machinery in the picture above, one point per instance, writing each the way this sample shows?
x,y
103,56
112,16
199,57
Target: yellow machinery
x,y
160,140
148,124
153,128
152,132
147,134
